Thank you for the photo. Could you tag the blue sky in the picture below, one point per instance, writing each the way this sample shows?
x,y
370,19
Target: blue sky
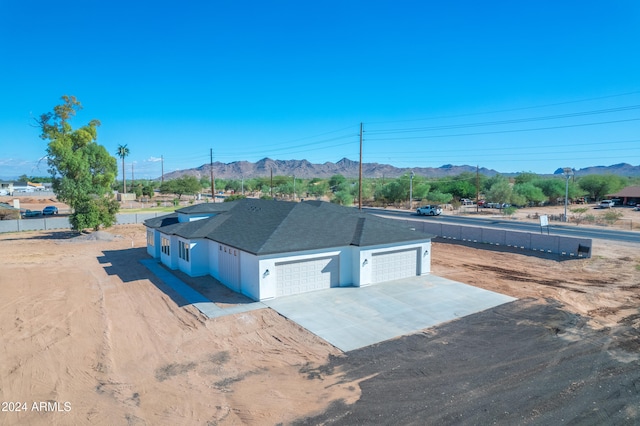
x,y
512,86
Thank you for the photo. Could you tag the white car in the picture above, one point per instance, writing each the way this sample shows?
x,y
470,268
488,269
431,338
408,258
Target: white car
x,y
606,204
429,210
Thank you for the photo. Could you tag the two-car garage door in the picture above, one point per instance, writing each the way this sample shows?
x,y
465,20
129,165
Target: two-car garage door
x,y
394,265
307,275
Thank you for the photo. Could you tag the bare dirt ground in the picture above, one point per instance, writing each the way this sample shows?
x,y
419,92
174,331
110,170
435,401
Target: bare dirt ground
x,y
83,324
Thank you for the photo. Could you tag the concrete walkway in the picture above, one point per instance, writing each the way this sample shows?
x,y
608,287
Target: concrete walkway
x,y
350,317
192,297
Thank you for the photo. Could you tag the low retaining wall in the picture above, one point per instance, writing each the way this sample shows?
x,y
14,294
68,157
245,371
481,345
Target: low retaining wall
x,y
52,222
554,244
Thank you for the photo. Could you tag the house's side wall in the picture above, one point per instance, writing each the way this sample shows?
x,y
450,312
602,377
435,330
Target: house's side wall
x,y
365,261
153,250
250,274
212,257
193,217
197,265
171,260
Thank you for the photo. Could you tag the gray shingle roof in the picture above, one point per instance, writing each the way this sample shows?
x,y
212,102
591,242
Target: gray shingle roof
x,y
270,227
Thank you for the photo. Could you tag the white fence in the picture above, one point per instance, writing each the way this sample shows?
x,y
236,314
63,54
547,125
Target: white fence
x,y
52,222
517,240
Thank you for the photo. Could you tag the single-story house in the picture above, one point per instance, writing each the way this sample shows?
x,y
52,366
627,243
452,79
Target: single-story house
x,y
628,196
266,249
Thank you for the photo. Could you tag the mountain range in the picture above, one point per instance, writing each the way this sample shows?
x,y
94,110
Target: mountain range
x,y
350,168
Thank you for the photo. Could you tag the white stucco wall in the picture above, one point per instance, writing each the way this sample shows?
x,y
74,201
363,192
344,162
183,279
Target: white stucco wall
x,y
154,251
212,256
170,261
198,257
250,273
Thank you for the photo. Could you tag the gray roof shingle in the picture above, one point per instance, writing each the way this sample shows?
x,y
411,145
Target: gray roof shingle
x,y
269,227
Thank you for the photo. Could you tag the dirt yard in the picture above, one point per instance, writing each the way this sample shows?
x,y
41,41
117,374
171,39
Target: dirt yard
x,y
89,337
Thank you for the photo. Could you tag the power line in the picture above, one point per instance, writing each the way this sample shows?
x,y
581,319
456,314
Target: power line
x,y
511,121
509,109
510,131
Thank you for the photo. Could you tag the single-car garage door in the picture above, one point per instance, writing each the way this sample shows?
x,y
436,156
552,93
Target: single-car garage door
x,y
394,265
307,275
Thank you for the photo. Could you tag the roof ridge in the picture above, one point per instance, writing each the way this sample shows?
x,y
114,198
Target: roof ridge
x,y
357,233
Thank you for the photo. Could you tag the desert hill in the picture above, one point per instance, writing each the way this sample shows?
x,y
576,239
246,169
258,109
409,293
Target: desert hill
x,y
349,168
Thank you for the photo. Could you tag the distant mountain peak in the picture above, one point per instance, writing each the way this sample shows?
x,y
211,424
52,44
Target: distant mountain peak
x,y
349,168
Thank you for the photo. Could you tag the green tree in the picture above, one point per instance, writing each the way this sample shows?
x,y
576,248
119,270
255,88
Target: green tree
x,y
180,186
552,188
342,197
598,186
82,170
122,152
335,181
525,177
148,190
500,192
529,193
317,187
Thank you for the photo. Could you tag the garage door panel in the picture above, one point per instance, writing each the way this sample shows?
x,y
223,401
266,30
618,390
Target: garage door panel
x,y
394,265
307,275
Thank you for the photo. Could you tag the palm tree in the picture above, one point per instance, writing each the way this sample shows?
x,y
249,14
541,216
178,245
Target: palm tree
x,y
122,152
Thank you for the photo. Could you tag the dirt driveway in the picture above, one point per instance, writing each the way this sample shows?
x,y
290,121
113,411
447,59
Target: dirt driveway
x,y
84,326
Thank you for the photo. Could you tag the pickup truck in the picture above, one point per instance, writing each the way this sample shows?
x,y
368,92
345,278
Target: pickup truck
x,y
32,213
430,210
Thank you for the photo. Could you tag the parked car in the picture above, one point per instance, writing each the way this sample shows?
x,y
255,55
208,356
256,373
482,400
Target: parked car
x,y
481,203
32,213
466,202
606,204
50,210
429,210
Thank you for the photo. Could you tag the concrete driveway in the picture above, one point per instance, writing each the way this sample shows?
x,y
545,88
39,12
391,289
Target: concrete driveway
x,y
350,318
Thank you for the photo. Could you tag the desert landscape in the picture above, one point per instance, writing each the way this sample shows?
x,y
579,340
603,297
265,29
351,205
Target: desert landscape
x,y
89,336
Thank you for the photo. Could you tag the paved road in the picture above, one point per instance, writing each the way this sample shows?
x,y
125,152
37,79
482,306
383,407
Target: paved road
x,y
566,230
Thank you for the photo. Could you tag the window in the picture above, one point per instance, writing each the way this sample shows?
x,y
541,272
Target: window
x,y
183,250
150,239
165,246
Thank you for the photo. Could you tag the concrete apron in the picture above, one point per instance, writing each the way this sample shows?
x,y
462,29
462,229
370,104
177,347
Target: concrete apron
x,y
350,317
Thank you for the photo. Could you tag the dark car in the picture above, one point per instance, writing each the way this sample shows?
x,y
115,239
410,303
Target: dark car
x,y
50,210
31,213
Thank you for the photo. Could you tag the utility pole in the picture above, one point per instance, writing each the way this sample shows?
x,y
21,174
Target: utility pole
x,y
132,175
411,189
162,168
213,185
477,187
360,173
271,184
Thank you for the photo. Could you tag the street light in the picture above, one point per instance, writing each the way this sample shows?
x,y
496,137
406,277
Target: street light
x,y
411,189
568,172
294,187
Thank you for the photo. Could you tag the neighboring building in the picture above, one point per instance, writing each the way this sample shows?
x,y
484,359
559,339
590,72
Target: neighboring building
x,y
10,187
265,249
628,196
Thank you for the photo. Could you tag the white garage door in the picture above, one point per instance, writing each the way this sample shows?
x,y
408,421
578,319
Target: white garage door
x,y
307,275
394,265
